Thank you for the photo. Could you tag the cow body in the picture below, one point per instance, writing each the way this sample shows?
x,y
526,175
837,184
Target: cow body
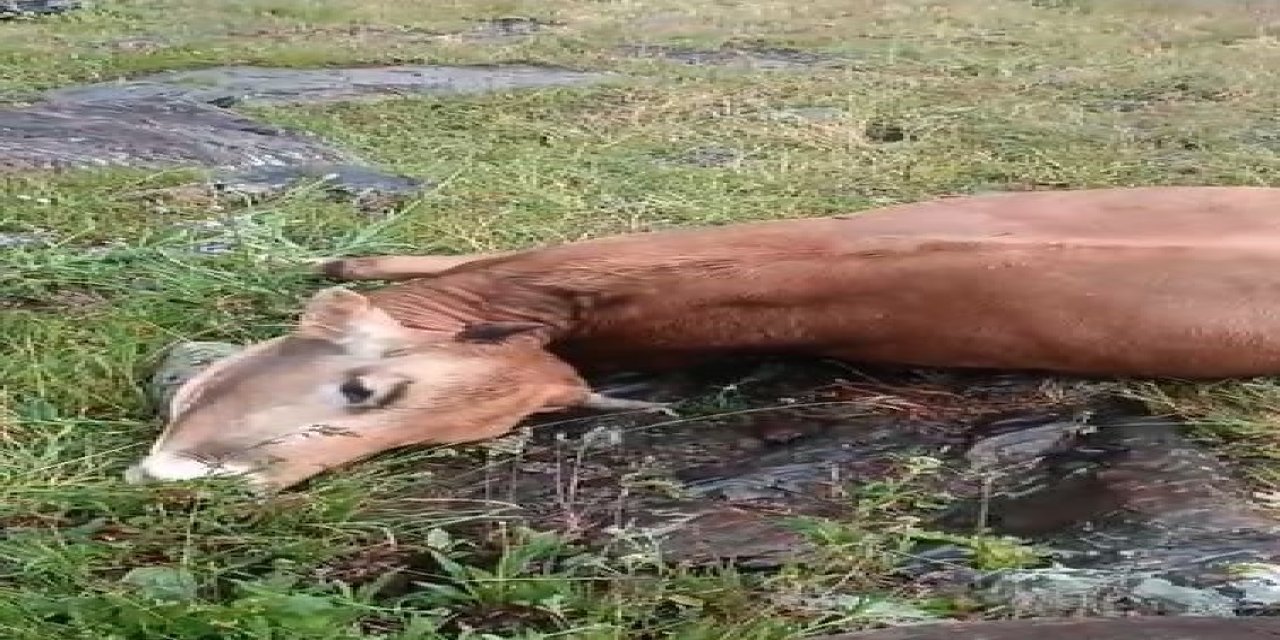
x,y
1178,282
1155,282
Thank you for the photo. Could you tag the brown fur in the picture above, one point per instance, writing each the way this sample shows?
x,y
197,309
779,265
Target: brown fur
x,y
1174,281
1148,282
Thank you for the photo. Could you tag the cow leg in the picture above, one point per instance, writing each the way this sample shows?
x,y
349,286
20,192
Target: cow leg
x,y
394,267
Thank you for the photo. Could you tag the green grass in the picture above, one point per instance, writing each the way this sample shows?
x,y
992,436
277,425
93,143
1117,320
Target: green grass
x,y
990,95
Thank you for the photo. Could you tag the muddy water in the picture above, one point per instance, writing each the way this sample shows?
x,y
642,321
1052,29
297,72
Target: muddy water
x,y
180,118
225,86
1136,518
783,439
1150,628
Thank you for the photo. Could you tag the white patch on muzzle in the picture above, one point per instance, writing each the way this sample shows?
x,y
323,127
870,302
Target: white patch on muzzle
x,y
168,467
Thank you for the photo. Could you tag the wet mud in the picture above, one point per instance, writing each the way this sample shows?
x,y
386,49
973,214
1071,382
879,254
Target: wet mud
x,y
1134,518
1151,628
228,86
182,119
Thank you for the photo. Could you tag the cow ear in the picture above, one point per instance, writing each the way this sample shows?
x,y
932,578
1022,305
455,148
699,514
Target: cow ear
x,y
498,332
348,319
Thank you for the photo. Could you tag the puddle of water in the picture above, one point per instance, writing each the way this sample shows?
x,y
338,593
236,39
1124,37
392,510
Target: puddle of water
x,y
1139,519
1147,628
148,134
11,9
225,86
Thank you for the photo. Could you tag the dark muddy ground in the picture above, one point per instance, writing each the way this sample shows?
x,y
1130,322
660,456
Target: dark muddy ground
x,y
227,86
181,119
1133,518
11,9
1132,629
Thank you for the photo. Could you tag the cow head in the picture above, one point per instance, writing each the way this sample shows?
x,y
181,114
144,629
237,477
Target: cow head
x,y
349,382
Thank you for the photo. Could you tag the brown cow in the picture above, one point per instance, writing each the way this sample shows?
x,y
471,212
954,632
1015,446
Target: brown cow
x,y
1158,281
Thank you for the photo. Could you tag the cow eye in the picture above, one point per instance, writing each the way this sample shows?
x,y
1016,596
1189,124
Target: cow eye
x,y
355,391
370,391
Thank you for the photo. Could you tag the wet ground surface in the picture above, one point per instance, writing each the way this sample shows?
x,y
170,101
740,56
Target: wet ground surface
x,y
1136,519
227,86
182,118
10,9
149,133
1127,629
371,189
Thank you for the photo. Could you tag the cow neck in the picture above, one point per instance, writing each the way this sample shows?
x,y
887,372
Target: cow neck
x,y
450,302
563,287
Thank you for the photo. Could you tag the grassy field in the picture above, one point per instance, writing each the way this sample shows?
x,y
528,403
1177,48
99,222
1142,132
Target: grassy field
x,y
918,99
